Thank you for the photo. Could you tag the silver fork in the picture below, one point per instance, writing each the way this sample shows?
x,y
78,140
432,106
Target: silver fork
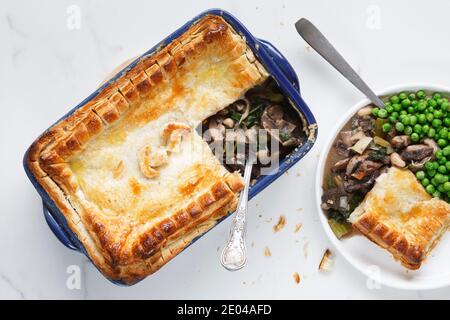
x,y
233,255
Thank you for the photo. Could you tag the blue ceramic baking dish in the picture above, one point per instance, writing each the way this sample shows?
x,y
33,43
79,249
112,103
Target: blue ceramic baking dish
x,y
275,63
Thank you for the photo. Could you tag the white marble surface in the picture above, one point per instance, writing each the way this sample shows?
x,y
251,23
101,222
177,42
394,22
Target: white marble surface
x,y
46,68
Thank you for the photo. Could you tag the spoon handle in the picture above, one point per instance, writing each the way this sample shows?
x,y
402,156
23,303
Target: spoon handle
x,y
234,255
318,42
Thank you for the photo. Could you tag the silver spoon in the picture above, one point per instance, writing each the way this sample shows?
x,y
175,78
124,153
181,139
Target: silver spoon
x,y
318,42
233,255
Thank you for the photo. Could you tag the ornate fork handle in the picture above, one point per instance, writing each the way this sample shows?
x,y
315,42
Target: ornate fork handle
x,y
234,255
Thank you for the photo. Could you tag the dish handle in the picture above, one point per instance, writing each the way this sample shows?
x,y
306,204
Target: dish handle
x,y
57,229
281,61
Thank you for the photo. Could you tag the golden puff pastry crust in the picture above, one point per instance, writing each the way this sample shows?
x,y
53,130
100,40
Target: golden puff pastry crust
x,y
401,217
134,180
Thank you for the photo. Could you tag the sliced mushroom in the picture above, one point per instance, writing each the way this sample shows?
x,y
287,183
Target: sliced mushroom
x,y
400,142
241,104
341,149
353,164
365,169
346,138
340,165
330,198
173,133
216,129
272,120
150,158
353,185
431,143
397,160
416,166
416,152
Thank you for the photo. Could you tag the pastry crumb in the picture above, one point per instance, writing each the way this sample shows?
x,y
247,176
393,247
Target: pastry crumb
x,y
306,249
326,264
267,252
299,209
296,277
280,224
297,228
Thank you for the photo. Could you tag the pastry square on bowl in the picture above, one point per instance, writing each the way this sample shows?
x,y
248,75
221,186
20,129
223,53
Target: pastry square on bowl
x,y
401,217
134,180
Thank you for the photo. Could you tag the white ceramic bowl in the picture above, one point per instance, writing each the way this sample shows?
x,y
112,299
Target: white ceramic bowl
x,y
376,263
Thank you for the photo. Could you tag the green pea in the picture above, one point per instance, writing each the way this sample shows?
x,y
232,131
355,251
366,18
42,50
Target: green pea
x,y
430,117
425,129
394,99
382,113
420,94
417,129
425,182
406,103
445,106
431,173
411,110
375,111
437,194
437,96
415,137
432,103
402,96
408,130
443,133
411,96
439,178
421,118
429,165
399,127
421,175
421,106
413,120
431,133
447,165
445,151
389,109
439,154
397,107
446,122
447,186
442,143
442,169
386,127
438,114
392,119
430,189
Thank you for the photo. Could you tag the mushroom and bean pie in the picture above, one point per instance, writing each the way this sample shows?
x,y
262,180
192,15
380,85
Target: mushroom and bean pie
x,y
134,180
